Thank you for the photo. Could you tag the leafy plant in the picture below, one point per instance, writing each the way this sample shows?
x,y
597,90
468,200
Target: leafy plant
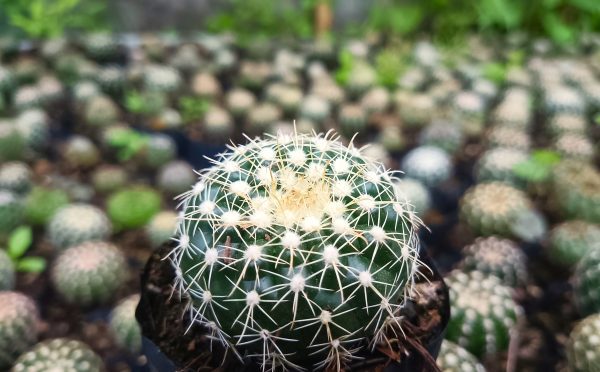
x,y
18,243
346,63
193,108
50,18
389,64
144,103
538,167
128,143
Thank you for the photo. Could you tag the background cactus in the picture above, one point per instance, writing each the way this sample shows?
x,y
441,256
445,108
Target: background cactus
x,y
33,126
586,281
571,240
133,207
41,204
583,350
428,164
81,152
7,272
60,354
123,325
176,177
415,193
483,312
12,144
453,358
15,176
100,111
576,189
497,165
19,321
161,228
445,135
109,178
218,125
89,273
11,212
77,223
282,238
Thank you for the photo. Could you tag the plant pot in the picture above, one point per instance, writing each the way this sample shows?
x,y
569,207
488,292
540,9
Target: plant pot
x,y
164,319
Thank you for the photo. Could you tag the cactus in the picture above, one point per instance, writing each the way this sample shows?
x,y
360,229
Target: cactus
x,y
205,85
164,79
483,312
15,176
288,98
468,108
253,75
566,123
391,138
509,137
101,46
176,177
11,212
329,91
100,111
123,325
570,241
133,207
59,354
453,358
218,125
415,110
7,82
486,89
84,91
262,116
33,125
446,135
352,120
492,208
427,164
41,204
574,145
186,59
284,236
315,108
12,144
19,321
376,100
159,150
239,101
111,79
77,223
415,193
515,113
583,352
89,273
498,163
7,272
496,256
161,228
27,97
586,281
361,79
576,190
81,152
109,178
561,98
50,90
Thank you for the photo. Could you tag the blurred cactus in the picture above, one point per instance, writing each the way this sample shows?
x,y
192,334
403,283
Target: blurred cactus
x,y
77,223
59,354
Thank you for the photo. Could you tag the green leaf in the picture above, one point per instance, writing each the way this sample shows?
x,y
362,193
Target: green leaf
x,y
532,171
19,241
545,157
31,265
559,31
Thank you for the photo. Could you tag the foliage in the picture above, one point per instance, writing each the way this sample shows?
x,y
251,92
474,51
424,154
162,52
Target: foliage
x,y
50,18
144,103
133,207
346,63
389,64
497,71
538,168
193,108
18,243
128,143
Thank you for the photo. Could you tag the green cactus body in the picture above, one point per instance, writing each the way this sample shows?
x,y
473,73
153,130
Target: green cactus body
x,y
576,190
7,82
33,125
376,100
12,144
445,135
428,164
491,208
81,152
176,177
574,145
77,223
352,120
329,91
239,101
315,108
111,79
483,313
15,176
496,256
27,97
84,91
415,193
101,46
287,97
133,207
391,138
570,241
59,354
7,272
89,273
262,116
583,350
124,326
218,125
186,59
100,111
11,212
361,79
586,281
453,358
41,204
469,109
498,163
109,178
19,321
160,149
296,250
161,228
415,110
164,79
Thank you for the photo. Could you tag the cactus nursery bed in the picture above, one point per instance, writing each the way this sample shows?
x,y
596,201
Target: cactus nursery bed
x,y
200,202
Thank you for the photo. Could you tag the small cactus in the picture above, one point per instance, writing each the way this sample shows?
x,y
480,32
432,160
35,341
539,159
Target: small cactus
x,y
59,354
262,116
7,82
561,98
427,164
445,135
491,208
41,204
483,313
218,125
239,101
27,97
498,163
84,91
352,120
415,193
574,145
361,79
454,358
124,326
206,85
284,236
496,256
111,79
12,143
100,111
133,207
159,150
586,281
315,108
570,241
376,100
109,178
509,137
11,212
81,152
101,46
288,98
468,108
176,177
19,321
77,223
33,125
15,177
415,110
566,123
7,272
583,350
576,190
161,228
329,91
89,273
159,78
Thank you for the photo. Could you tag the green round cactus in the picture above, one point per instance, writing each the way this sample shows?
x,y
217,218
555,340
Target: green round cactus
x,y
124,326
361,79
491,208
498,163
415,110
283,238
218,125
100,46
352,120
109,178
161,228
583,347
15,176
7,82
287,97
81,152
11,212
100,111
19,321
41,204
453,358
159,78
586,281
77,223
561,98
59,354
496,256
468,108
133,207
315,108
12,143
33,125
415,193
445,135
111,79
508,137
428,164
7,272
176,177
89,273
159,150
576,190
575,145
483,312
239,101
262,116
570,241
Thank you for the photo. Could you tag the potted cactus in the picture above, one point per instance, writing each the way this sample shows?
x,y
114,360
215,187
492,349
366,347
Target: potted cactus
x,y
294,252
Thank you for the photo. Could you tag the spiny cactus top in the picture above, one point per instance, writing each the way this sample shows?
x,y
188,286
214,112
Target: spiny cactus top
x,y
569,241
77,223
60,354
576,188
297,250
453,358
428,164
19,321
7,272
586,281
123,325
583,348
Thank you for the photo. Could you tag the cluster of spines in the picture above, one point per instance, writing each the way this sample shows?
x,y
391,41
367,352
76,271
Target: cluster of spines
x,y
77,223
19,322
583,347
60,354
586,281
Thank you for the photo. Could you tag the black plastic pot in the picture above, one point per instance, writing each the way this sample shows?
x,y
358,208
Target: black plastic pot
x,y
158,361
